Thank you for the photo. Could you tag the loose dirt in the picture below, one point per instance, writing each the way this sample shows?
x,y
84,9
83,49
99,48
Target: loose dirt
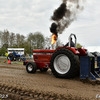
x,y
17,84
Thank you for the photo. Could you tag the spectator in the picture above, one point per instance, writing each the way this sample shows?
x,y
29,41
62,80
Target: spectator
x,y
10,56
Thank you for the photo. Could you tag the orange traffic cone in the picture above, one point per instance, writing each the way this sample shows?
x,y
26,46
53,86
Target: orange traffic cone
x,y
9,62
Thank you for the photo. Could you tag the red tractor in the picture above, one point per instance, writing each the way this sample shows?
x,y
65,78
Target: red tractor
x,y
64,62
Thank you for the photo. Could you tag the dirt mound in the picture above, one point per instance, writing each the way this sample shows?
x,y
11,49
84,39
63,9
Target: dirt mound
x,y
20,85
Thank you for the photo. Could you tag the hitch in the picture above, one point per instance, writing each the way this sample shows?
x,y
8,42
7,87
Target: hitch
x,y
87,68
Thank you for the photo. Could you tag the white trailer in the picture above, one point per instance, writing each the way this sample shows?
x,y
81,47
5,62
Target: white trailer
x,y
17,50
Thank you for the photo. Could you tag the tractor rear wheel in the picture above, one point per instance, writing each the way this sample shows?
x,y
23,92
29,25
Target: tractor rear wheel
x,y
64,64
31,67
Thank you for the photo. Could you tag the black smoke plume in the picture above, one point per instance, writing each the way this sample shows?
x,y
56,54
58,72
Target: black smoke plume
x,y
65,14
53,28
59,13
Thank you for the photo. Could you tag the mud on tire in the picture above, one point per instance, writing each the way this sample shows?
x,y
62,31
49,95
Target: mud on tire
x,y
64,64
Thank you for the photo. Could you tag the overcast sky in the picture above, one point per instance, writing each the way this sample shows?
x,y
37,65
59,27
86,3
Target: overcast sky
x,y
25,16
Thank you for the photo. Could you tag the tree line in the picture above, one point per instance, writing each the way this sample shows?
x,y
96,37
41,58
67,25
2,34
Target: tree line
x,y
31,41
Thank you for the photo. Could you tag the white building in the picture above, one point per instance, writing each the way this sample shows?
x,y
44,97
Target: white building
x,y
17,50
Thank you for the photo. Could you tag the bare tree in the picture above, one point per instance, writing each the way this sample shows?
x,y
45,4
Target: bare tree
x,y
22,40
12,39
37,38
5,38
0,38
18,39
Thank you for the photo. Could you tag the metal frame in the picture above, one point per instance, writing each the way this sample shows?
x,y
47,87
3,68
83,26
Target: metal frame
x,y
70,39
87,69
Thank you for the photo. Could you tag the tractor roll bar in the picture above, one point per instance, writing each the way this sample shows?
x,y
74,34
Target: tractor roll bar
x,y
70,39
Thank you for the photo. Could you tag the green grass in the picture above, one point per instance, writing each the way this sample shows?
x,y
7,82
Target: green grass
x,y
12,62
3,57
4,60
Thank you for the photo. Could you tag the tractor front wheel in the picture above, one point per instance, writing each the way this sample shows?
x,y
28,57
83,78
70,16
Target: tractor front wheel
x,y
31,67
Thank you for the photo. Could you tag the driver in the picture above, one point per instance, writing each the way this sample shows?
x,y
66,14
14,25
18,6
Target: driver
x,y
71,44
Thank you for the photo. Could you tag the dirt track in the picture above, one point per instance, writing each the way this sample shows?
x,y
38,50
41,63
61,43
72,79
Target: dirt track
x,y
20,85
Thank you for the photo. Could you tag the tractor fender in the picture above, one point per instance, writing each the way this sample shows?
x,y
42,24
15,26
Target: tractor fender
x,y
74,50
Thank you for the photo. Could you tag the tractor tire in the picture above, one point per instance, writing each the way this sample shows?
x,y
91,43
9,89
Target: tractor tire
x,y
31,67
65,64
43,69
17,58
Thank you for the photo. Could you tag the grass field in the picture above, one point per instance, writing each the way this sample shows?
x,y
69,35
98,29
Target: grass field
x,y
4,60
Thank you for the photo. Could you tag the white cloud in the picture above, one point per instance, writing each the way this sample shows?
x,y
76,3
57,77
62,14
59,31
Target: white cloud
x,y
25,16
87,25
